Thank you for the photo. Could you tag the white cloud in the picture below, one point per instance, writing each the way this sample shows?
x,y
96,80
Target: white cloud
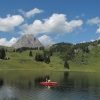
x,y
98,30
98,38
57,23
83,42
46,40
10,22
5,42
92,40
35,28
31,12
93,21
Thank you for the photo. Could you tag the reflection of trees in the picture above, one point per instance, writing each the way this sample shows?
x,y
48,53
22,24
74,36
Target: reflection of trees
x,y
68,82
81,81
84,83
74,81
1,82
26,84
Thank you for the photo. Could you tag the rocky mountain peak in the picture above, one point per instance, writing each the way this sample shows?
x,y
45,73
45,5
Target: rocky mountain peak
x,y
27,41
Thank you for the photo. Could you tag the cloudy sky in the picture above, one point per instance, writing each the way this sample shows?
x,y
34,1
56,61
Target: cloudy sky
x,y
51,21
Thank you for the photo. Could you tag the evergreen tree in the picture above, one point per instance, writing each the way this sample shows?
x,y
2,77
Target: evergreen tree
x,y
30,54
2,54
47,59
42,57
66,65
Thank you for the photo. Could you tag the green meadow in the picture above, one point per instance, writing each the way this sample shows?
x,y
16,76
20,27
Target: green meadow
x,y
22,61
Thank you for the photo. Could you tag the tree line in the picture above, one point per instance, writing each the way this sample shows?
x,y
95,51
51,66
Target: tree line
x,y
41,57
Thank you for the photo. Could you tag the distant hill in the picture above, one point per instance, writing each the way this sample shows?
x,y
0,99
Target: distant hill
x,y
81,56
68,51
28,41
62,47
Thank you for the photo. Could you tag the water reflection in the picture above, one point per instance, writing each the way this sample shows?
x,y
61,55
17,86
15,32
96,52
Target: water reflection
x,y
72,86
68,82
8,93
1,82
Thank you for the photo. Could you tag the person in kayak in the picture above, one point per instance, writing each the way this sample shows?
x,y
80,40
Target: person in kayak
x,y
48,80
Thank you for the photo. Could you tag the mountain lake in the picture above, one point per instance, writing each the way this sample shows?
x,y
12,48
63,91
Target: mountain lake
x,y
24,85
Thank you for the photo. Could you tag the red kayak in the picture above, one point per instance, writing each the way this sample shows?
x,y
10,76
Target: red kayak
x,y
49,83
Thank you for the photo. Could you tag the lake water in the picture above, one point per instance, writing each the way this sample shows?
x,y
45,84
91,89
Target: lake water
x,y
24,85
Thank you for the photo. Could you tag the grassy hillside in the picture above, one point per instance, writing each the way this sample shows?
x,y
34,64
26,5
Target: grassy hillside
x,y
91,61
86,57
82,61
22,61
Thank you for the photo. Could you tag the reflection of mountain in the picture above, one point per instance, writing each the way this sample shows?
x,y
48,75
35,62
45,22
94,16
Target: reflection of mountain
x,y
28,41
8,93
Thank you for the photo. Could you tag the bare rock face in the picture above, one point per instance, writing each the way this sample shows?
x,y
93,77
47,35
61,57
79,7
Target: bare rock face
x,y
27,41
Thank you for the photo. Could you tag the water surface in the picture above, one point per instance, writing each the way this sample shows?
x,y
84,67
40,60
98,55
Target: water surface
x,y
24,85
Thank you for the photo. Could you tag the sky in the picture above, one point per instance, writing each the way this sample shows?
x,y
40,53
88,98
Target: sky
x,y
51,21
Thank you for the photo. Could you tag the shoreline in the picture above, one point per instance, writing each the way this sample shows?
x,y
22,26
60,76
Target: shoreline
x,y
61,70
